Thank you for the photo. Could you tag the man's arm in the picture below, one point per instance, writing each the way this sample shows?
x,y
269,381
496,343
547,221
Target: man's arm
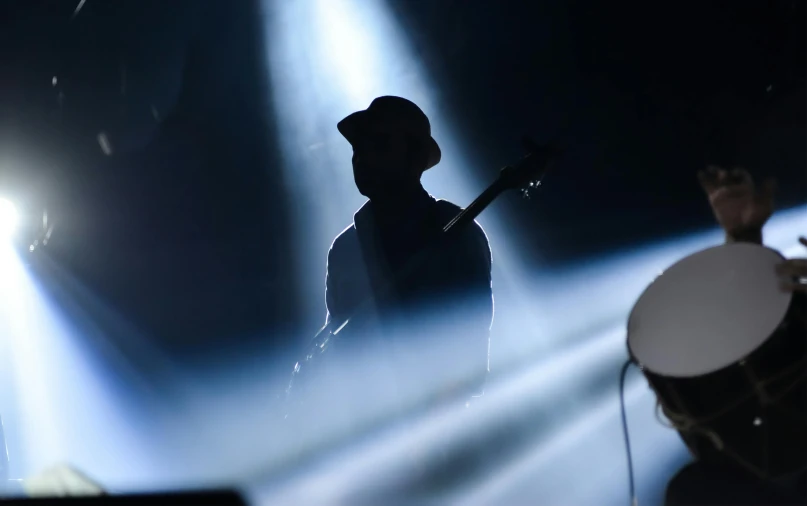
x,y
742,210
331,303
794,272
481,290
739,206
476,280
751,236
467,269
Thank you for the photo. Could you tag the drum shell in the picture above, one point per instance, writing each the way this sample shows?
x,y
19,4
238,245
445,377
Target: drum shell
x,y
756,409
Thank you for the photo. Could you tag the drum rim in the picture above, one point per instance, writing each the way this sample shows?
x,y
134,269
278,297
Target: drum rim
x,y
644,367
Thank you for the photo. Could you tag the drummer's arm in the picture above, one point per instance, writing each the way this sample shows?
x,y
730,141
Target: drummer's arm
x,y
741,208
750,236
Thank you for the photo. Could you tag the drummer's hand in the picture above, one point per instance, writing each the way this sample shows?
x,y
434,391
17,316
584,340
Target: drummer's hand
x,y
740,208
794,272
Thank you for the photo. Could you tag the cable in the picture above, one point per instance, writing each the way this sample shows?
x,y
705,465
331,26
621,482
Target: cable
x,y
632,486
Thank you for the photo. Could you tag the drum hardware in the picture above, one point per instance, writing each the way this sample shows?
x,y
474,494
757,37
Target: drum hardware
x,y
758,385
688,424
684,423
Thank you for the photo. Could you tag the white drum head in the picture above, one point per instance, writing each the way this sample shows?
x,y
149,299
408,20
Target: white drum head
x,y
707,311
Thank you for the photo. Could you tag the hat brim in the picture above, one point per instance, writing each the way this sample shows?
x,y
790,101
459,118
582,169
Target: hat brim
x,y
354,126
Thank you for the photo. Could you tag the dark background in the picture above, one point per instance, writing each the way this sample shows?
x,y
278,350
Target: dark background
x,y
184,231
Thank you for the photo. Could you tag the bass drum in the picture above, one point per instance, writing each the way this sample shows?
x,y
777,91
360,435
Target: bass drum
x,y
723,347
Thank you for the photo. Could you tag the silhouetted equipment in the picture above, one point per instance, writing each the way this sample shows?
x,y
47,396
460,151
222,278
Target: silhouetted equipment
x,y
213,498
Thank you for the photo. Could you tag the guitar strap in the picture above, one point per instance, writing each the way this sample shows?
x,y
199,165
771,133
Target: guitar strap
x,y
377,275
375,265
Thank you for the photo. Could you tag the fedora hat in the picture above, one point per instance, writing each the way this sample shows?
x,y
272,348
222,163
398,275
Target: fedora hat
x,y
399,114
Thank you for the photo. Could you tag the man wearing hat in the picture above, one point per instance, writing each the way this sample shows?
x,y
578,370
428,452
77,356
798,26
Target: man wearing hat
x,y
440,315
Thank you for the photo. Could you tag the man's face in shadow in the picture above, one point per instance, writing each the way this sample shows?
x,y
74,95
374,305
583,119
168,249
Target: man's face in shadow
x,y
382,163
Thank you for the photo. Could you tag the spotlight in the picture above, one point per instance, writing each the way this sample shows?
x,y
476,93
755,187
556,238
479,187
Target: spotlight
x,y
8,219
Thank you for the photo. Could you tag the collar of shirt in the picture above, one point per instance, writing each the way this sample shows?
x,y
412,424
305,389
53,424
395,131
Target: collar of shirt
x,y
409,220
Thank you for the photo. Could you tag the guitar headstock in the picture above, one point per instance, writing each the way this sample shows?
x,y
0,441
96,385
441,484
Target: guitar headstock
x,y
527,173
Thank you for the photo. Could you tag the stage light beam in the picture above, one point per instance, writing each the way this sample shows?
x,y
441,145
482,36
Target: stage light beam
x,y
9,219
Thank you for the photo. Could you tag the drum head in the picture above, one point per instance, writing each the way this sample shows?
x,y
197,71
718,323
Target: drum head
x,y
707,311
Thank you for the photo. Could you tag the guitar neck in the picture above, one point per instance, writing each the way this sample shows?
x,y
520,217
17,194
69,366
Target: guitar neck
x,y
475,208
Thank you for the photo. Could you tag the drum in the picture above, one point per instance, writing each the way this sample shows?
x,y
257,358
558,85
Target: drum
x,y
723,347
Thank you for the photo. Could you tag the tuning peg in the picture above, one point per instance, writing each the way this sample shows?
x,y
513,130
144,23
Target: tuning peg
x,y
532,185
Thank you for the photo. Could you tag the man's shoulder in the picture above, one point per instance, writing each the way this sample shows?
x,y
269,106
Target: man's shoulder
x,y
444,207
346,243
344,240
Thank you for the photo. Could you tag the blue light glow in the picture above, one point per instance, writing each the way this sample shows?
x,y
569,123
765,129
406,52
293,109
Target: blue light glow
x,y
9,219
64,406
222,428
113,405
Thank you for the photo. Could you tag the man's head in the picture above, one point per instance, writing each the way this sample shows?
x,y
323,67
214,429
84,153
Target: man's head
x,y
392,146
